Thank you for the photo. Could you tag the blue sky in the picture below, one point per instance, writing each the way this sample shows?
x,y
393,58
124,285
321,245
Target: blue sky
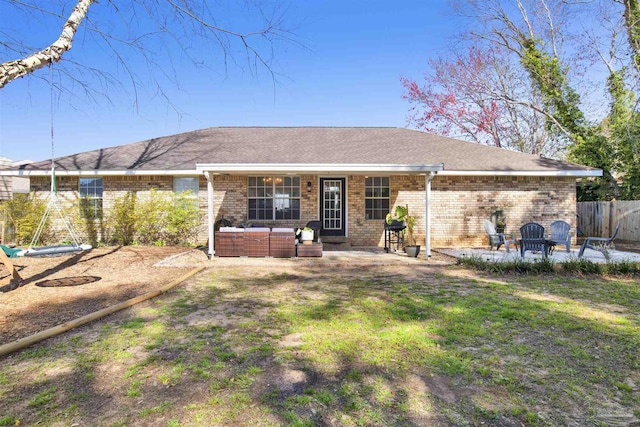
x,y
347,74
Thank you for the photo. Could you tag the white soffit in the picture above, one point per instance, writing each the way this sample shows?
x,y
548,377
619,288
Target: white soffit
x,y
292,168
571,173
47,172
316,167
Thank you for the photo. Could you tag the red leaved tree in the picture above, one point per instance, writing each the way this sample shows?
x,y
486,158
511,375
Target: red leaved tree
x,y
479,96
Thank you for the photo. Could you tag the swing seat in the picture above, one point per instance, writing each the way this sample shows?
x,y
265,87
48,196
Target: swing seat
x,y
53,250
10,252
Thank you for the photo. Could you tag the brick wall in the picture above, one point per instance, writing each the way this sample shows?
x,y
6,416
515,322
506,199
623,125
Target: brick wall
x,y
459,204
230,201
404,190
114,187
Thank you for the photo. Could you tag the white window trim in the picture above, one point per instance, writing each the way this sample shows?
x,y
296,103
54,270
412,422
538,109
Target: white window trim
x,y
194,191
274,198
388,198
93,197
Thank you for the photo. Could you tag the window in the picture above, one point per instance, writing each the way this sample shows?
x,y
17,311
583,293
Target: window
x,y
90,191
376,197
187,183
274,197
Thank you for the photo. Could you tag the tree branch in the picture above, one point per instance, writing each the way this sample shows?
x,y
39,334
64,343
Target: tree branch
x,y
14,69
542,111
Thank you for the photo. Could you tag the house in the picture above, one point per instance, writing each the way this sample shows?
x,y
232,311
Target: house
x,y
346,177
10,185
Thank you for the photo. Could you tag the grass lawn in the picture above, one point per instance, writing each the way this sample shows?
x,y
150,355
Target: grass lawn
x,y
356,345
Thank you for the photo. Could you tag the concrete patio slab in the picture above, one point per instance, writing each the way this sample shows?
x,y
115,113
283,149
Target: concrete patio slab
x,y
364,255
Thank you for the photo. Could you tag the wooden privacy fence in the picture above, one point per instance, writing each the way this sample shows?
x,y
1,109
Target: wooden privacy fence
x,y
599,219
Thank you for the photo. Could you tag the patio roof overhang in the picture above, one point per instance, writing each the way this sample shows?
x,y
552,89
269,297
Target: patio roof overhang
x,y
100,172
228,168
211,169
578,173
325,168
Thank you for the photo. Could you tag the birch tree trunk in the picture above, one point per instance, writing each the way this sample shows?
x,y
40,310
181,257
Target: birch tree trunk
x,y
18,68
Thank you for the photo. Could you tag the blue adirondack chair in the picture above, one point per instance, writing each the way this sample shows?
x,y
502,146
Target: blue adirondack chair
x,y
561,234
532,239
604,242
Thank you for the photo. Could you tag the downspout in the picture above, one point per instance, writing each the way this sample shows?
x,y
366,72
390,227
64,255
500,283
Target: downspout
x,y
210,219
427,213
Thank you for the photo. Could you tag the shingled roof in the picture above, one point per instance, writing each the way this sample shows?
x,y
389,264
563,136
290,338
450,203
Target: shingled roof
x,y
302,145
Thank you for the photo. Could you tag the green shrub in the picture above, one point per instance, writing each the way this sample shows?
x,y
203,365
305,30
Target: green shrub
x,y
88,227
150,218
182,219
623,268
540,266
628,267
91,220
518,265
123,219
613,268
581,266
25,212
156,219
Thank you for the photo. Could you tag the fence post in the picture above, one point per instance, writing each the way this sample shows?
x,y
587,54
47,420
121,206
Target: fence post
x,y
606,219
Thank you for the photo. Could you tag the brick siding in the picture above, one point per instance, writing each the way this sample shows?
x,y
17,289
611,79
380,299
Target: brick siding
x,y
459,204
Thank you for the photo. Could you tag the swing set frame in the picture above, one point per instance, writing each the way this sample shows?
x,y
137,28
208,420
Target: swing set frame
x,y
53,204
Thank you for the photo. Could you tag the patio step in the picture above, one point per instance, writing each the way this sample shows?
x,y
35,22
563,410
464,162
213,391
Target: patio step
x,y
336,247
333,239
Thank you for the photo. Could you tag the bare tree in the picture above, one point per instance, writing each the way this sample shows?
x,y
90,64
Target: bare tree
x,y
512,24
168,36
532,38
13,69
632,24
483,97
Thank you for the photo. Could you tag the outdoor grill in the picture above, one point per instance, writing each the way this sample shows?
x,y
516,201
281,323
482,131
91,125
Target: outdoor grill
x,y
394,235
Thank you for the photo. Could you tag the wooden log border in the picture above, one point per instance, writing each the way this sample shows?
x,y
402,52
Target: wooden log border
x,y
56,330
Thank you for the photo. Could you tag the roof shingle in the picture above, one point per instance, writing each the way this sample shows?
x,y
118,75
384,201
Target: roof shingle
x,y
300,145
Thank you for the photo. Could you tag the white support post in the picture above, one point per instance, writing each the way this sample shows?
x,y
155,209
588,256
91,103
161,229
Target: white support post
x,y
427,214
210,218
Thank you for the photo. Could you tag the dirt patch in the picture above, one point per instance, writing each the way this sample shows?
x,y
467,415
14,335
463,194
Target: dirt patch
x,y
221,349
59,289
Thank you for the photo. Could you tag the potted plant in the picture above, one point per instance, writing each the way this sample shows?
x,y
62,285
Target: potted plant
x,y
499,220
401,213
305,235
